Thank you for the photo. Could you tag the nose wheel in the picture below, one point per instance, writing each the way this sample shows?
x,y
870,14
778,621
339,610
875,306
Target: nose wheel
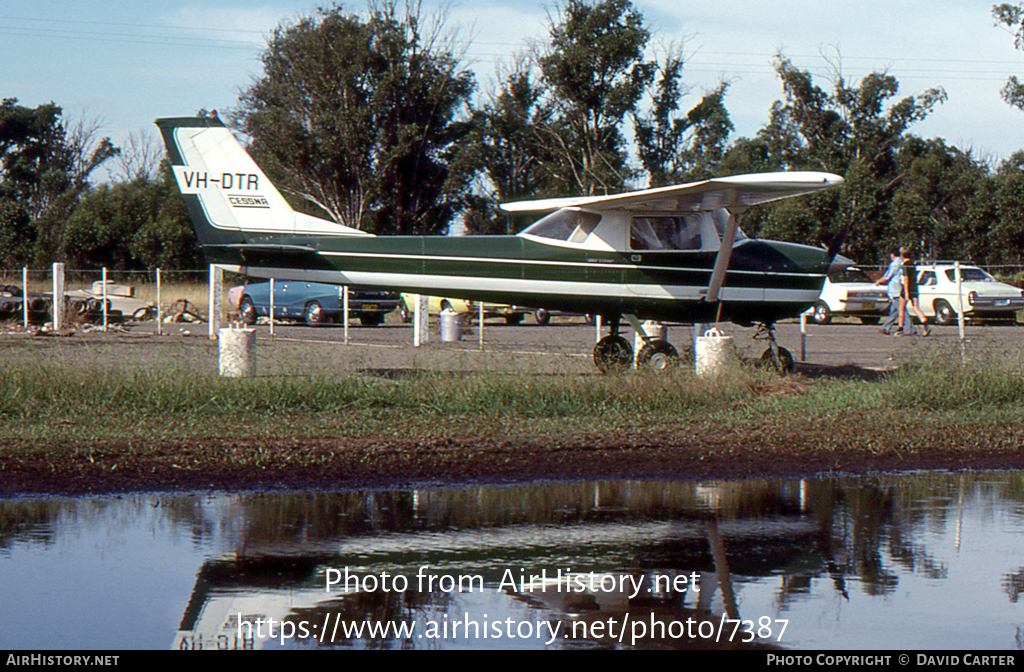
x,y
775,357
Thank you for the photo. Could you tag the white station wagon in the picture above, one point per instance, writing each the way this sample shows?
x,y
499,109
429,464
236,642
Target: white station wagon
x,y
849,291
982,295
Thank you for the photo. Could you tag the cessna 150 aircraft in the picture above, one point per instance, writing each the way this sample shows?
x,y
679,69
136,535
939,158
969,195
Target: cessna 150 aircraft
x,y
670,254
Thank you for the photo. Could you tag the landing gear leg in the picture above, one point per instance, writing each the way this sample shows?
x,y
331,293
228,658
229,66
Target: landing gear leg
x,y
613,353
775,357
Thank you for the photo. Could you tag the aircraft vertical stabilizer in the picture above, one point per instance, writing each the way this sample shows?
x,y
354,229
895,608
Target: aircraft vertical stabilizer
x,y
229,197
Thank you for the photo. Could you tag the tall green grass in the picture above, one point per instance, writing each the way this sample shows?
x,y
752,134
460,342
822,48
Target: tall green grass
x,y
56,396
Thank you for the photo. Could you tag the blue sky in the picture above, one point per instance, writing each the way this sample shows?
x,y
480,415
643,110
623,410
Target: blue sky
x,y
127,63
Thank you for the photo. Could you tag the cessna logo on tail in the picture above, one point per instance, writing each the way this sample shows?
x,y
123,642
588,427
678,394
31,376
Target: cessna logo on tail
x,y
193,181
247,201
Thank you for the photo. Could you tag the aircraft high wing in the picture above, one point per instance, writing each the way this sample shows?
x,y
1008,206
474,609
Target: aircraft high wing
x,y
671,254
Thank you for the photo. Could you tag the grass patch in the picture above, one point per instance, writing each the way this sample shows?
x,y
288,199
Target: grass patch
x,y
62,398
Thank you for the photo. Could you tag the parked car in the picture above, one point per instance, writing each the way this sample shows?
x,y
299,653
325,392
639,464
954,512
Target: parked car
x,y
543,315
315,303
982,295
436,304
849,291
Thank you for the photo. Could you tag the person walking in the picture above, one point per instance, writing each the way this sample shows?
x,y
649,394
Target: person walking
x,y
893,281
909,296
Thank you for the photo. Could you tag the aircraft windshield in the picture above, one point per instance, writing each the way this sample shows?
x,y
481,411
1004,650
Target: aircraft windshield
x,y
572,226
664,233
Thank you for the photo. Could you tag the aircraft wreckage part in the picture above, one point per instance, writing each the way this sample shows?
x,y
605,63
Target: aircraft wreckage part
x,y
237,352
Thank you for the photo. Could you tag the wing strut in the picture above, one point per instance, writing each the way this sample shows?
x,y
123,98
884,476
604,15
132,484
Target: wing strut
x,y
724,254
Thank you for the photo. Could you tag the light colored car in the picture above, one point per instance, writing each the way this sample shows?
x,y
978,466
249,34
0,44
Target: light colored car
x,y
436,304
849,291
982,296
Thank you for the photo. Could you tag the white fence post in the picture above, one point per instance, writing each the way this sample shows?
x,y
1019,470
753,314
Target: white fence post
x,y
159,311
272,306
58,296
344,310
216,294
105,323
24,294
960,310
420,314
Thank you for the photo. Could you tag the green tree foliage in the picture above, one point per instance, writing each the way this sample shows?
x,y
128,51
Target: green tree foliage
x,y
856,131
365,118
1006,237
139,224
597,74
1012,18
510,148
676,149
45,164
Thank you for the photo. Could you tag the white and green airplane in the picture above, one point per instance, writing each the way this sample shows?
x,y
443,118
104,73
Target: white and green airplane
x,y
669,254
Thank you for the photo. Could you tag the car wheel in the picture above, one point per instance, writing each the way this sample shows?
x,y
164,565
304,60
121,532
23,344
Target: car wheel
x,y
944,313
314,314
658,355
246,311
404,313
613,354
821,314
542,316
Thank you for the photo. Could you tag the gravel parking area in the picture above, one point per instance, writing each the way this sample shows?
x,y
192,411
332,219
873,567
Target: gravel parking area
x,y
563,346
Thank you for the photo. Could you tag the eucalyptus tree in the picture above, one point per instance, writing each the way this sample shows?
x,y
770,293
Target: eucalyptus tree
x,y
365,118
854,130
677,148
45,165
595,68
1011,17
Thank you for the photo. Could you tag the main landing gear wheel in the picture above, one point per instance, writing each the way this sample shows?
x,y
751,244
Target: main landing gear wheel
x,y
613,354
658,355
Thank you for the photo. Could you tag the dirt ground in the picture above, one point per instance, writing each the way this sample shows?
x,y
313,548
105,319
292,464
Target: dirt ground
x,y
785,448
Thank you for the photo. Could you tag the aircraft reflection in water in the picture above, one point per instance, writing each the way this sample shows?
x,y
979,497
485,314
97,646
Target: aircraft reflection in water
x,y
671,253
728,534
831,556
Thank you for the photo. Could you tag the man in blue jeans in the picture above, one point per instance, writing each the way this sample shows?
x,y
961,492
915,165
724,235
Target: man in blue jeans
x,y
893,281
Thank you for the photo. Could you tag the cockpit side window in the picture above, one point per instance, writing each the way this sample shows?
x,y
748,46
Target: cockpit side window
x,y
572,226
664,233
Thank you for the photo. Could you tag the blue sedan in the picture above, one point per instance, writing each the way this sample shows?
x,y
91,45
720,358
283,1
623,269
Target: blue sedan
x,y
315,303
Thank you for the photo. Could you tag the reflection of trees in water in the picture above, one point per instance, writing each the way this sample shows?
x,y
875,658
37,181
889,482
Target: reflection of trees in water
x,y
1013,585
28,521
